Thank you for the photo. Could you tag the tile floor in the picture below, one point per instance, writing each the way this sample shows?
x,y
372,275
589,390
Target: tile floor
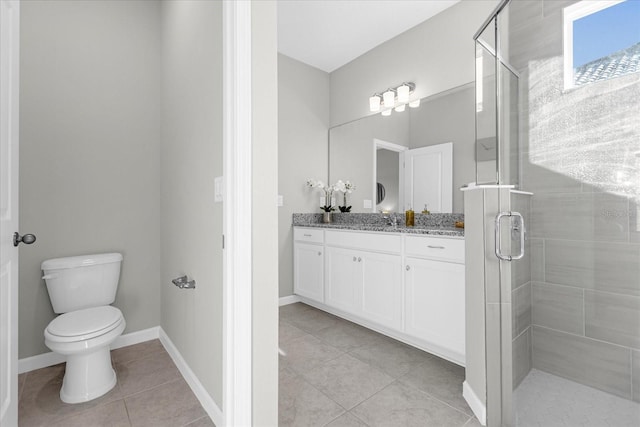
x,y
150,392
544,399
335,373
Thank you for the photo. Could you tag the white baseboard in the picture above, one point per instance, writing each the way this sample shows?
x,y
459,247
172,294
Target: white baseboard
x,y
198,389
136,337
39,361
477,406
49,359
289,300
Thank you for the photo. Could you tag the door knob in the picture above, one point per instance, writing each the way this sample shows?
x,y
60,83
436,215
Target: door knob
x,y
27,239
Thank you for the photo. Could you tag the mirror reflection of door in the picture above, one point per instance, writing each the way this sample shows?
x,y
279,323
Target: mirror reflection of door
x,y
387,176
428,176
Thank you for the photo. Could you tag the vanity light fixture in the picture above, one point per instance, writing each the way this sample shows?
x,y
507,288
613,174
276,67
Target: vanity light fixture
x,y
374,103
393,98
403,93
389,98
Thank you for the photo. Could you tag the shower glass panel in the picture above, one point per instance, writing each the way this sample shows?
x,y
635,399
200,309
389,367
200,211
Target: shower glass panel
x,y
486,123
568,311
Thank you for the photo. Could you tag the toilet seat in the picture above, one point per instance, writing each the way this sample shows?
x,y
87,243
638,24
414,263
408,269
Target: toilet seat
x,y
82,325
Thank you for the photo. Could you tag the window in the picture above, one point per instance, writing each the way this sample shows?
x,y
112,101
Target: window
x,y
601,40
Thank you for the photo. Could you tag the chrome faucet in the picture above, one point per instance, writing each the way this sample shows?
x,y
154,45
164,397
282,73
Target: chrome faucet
x,y
391,219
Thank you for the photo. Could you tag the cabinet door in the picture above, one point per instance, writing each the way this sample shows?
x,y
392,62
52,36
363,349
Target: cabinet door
x,y
344,276
308,270
382,289
434,302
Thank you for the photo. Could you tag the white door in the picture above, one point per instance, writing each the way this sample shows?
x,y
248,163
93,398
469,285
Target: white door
x,y
9,31
308,268
382,289
428,178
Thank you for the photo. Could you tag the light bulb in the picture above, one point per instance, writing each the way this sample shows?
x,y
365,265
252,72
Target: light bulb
x,y
403,93
386,112
374,103
400,108
388,98
414,104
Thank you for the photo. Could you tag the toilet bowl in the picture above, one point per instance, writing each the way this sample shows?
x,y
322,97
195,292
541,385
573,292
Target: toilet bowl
x,y
81,288
84,337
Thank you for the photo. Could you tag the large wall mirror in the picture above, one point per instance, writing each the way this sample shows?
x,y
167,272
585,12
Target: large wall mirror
x,y
412,158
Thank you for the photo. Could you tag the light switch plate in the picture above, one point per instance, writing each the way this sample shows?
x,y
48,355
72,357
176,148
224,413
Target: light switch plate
x,y
280,200
366,204
218,184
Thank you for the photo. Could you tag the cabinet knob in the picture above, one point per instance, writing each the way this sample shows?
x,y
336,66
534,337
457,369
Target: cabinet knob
x,y
408,267
354,259
319,253
359,259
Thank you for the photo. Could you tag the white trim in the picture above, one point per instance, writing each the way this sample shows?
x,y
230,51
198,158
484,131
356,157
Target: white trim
x,y
136,337
50,358
476,405
524,193
473,186
569,15
289,299
237,271
378,144
196,386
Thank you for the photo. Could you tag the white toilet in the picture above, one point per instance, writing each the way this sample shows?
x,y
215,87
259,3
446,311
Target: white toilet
x,y
82,288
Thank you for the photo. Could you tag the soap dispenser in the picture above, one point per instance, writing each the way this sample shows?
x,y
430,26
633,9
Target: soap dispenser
x,y
409,216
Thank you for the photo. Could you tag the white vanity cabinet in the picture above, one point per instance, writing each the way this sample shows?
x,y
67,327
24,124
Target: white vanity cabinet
x,y
407,286
434,292
364,275
308,263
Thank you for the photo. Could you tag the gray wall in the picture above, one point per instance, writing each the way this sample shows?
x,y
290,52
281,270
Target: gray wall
x,y
303,123
264,169
584,229
191,158
436,55
89,139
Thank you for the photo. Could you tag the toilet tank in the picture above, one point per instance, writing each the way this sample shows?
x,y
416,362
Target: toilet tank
x,y
82,281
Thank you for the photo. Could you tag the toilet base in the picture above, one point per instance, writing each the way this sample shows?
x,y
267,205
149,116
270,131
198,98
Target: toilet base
x,y
88,376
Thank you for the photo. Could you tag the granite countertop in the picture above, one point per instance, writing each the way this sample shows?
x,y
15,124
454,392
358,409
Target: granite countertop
x,y
433,224
437,231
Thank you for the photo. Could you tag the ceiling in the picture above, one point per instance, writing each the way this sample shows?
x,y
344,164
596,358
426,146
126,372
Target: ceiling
x,y
327,34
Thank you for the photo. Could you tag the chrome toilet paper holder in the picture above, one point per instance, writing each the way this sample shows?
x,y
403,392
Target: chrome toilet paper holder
x,y
183,282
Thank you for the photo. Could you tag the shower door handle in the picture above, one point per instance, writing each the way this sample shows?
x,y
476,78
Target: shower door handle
x,y
498,232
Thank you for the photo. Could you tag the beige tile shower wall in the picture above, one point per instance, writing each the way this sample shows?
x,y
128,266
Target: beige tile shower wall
x,y
521,296
89,150
584,247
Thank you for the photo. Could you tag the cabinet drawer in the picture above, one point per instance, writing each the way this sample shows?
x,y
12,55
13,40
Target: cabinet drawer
x,y
311,235
366,241
435,248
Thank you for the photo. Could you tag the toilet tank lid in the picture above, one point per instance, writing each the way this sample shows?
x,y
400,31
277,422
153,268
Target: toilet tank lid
x,y
80,261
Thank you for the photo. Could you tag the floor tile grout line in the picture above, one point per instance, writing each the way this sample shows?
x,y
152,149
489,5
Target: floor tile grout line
x,y
180,377
323,393
126,408
358,418
431,396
